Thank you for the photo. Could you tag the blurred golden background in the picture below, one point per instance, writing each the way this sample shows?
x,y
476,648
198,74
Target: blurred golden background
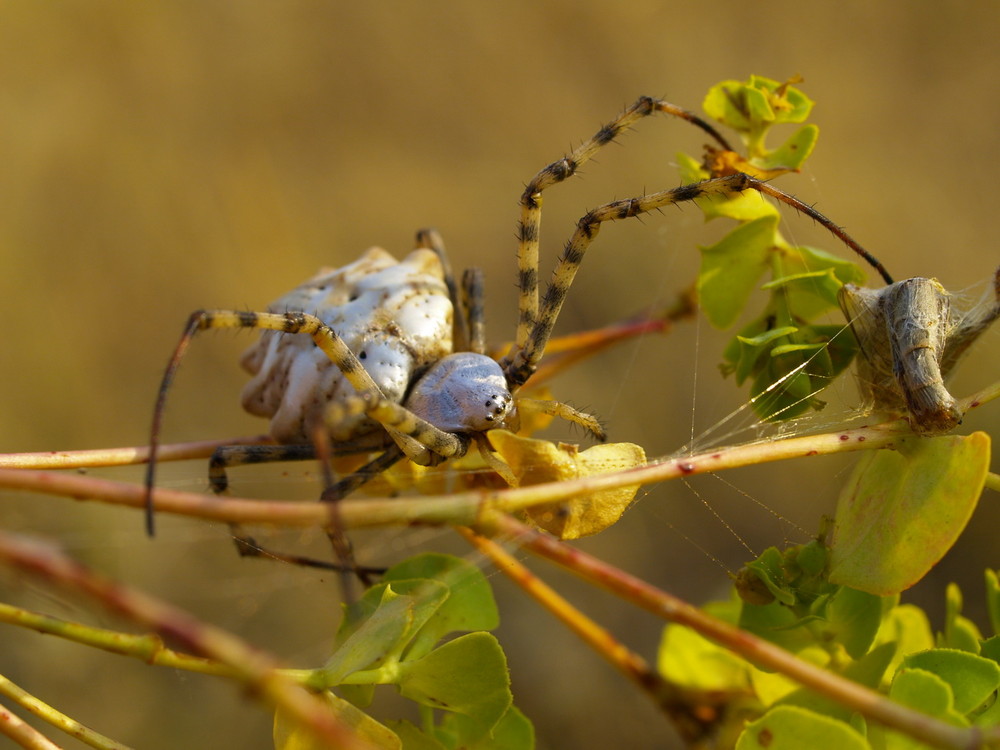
x,y
160,157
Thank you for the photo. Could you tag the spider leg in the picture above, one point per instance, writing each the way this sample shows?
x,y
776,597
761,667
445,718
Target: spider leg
x,y
422,442
431,239
290,322
523,361
473,309
339,490
531,198
240,455
564,411
227,456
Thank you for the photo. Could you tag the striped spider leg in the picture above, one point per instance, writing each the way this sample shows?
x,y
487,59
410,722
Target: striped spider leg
x,y
537,319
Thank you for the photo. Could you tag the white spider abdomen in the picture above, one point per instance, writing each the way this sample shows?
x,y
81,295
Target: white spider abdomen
x,y
396,316
463,393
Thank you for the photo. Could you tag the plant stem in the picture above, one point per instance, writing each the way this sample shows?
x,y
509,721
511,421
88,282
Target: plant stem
x,y
147,647
120,456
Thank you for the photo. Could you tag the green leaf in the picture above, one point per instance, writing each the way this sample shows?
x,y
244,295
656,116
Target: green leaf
x,y
412,738
688,659
750,347
512,732
794,728
803,259
780,392
467,675
767,338
972,678
776,623
291,735
854,618
902,510
811,279
807,294
793,152
990,648
690,169
993,600
925,692
747,106
769,569
736,105
469,605
731,268
384,624
811,558
907,627
867,671
959,632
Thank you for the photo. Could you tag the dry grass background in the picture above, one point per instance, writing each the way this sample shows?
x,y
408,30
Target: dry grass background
x,y
159,157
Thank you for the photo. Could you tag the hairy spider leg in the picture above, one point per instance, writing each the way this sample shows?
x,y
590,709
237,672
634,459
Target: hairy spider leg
x,y
531,199
522,362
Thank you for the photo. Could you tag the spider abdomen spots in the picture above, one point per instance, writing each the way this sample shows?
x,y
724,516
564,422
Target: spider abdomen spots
x,y
396,316
463,393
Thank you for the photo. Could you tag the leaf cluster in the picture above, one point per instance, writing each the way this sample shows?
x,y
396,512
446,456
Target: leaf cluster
x,y
953,675
782,352
395,634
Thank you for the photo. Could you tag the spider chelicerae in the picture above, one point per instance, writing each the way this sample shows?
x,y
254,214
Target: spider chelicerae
x,y
388,357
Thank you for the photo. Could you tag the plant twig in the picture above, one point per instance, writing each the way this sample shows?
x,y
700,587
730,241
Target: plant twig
x,y
120,456
23,733
147,647
56,718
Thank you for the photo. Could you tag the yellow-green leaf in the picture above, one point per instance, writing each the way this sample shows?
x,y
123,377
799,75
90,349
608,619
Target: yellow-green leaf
x,y
291,735
903,510
794,728
538,461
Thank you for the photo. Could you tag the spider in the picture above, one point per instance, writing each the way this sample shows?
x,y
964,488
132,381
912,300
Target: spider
x,y
388,357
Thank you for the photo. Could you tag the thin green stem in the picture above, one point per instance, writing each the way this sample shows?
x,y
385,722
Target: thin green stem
x,y
147,647
993,481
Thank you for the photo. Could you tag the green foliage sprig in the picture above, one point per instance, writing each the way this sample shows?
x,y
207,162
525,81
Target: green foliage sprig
x,y
787,356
